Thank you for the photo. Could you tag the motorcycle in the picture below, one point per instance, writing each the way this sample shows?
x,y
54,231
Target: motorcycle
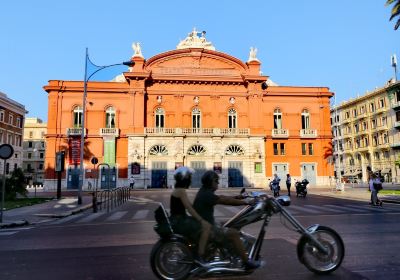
x,y
301,188
275,188
319,248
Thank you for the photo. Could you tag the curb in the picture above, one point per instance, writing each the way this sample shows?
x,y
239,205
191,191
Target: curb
x,y
14,224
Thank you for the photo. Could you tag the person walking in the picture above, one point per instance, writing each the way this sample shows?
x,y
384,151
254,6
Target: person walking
x,y
374,183
204,204
131,182
288,183
182,223
276,185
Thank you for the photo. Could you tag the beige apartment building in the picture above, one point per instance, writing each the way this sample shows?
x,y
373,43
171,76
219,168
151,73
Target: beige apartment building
x,y
366,133
34,149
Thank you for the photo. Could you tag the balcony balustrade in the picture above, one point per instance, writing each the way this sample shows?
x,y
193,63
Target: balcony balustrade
x,y
75,131
280,133
196,131
108,131
308,133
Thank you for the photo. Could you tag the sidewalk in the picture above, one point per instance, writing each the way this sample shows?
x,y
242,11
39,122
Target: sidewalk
x,y
43,212
66,206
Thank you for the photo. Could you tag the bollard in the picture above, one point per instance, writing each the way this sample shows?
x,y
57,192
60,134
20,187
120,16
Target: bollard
x,y
94,202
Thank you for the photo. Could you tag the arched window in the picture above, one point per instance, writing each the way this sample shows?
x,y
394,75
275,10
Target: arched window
x,y
277,119
305,119
158,150
196,150
110,117
196,118
234,150
160,117
232,118
78,113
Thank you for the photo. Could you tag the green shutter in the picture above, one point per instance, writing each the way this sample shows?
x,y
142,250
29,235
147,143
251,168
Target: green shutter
x,y
109,151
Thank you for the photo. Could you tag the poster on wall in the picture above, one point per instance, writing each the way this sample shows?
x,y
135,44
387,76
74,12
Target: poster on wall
x,y
75,151
135,168
218,167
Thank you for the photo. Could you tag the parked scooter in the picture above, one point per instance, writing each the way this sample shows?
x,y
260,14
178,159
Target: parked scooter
x,y
301,188
319,248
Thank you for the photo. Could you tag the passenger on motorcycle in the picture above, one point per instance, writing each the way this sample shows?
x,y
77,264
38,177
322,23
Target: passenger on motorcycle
x,y
190,226
204,204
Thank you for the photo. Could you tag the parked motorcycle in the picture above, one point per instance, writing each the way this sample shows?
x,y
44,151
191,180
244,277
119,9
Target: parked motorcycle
x,y
301,187
319,248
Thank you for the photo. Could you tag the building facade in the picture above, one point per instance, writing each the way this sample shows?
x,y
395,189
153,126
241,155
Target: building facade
x,y
34,150
366,133
192,106
12,116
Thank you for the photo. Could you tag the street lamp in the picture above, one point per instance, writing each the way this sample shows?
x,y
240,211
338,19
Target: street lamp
x,y
85,81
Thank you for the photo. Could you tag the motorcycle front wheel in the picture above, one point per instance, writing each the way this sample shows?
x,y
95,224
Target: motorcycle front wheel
x,y
171,260
317,261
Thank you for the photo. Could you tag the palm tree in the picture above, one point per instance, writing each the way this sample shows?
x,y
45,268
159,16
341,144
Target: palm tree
x,y
395,11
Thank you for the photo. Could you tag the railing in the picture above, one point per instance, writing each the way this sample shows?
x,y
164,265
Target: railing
x,y
108,131
74,131
196,131
109,199
308,133
280,133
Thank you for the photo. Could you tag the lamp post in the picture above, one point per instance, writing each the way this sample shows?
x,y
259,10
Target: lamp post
x,y
85,81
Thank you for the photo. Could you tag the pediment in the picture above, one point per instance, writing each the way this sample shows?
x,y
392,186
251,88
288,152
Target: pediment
x,y
196,62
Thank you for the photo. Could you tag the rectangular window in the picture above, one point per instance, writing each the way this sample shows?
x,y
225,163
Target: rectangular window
x,y
41,155
30,144
282,149
10,139
372,107
11,119
2,116
381,103
303,149
40,166
30,134
29,155
275,149
310,149
257,167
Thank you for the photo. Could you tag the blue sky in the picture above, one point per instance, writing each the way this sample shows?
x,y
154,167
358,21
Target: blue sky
x,y
343,44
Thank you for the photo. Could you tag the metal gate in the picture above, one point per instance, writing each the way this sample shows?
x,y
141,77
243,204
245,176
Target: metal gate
x,y
73,178
158,174
235,174
309,172
199,169
108,178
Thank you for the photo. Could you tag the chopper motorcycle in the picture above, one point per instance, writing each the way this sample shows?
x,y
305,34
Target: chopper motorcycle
x,y
319,248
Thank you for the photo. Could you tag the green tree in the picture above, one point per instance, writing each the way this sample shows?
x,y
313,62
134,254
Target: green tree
x,y
15,184
395,11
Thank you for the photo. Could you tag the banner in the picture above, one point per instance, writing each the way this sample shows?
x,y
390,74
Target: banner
x,y
75,151
109,151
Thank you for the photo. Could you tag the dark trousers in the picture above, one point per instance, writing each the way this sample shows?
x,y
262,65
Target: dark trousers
x,y
288,185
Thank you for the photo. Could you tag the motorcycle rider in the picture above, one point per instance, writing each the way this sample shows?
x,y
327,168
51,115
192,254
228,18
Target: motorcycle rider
x,y
181,222
204,204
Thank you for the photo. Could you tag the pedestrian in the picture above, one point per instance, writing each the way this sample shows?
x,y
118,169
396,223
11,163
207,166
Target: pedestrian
x,y
375,185
288,183
369,177
189,226
204,204
131,182
276,185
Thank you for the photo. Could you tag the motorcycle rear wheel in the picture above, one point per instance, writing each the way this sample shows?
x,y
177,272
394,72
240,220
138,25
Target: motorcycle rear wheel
x,y
171,260
319,262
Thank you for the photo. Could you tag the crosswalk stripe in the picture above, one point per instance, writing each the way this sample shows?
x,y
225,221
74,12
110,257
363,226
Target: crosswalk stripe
x,y
369,208
116,216
90,218
5,233
302,209
66,219
325,208
141,214
345,207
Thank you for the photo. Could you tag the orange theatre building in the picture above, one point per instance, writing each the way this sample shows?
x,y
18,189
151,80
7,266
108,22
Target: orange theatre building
x,y
191,106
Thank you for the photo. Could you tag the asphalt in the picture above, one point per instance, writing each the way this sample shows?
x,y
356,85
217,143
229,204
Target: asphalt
x,y
68,204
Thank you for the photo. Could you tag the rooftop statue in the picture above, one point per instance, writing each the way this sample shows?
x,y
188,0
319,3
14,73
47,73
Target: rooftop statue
x,y
253,54
194,41
137,49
